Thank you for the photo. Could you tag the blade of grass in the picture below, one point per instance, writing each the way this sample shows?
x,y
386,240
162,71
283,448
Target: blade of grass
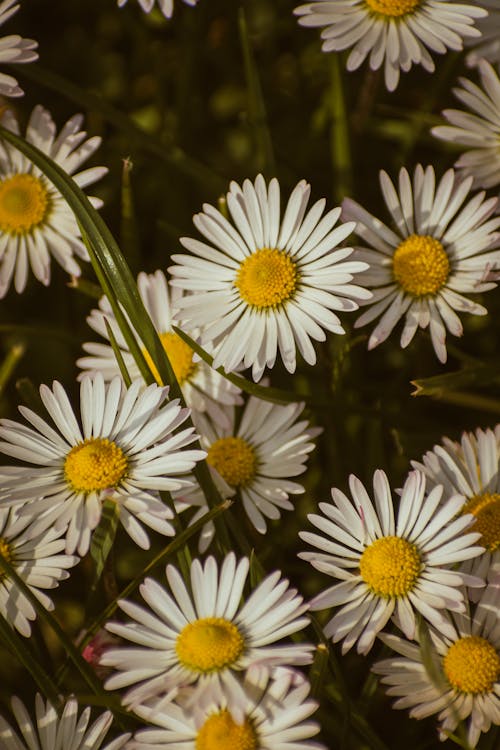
x,y
340,145
118,354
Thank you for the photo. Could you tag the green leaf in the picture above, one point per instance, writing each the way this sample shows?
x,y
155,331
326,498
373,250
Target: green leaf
x,y
476,375
103,538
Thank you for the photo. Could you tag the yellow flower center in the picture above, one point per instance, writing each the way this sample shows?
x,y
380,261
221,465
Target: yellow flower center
x,y
472,665
420,265
96,464
180,356
234,459
24,203
390,566
209,644
6,553
267,278
486,509
393,7
220,732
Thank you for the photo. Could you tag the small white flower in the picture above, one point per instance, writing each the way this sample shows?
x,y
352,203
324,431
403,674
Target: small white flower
x,y
465,679
166,6
438,251
126,450
35,220
13,49
393,33
478,128
266,283
37,559
201,637
203,388
487,47
390,567
52,732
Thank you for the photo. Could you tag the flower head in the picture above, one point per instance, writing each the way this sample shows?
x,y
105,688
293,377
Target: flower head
x,y
35,220
202,637
166,6
125,451
387,566
395,33
266,283
438,251
487,47
13,49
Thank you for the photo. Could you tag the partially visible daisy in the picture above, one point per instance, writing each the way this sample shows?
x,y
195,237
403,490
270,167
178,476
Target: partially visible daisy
x,y
465,683
203,388
201,637
488,46
166,6
125,450
52,732
234,718
37,559
393,33
438,251
387,566
479,128
471,468
266,283
35,220
258,457
13,49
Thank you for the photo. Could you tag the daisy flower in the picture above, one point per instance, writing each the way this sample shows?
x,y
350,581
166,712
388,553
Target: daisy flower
x,y
387,566
258,456
479,129
125,450
488,46
14,49
471,468
439,250
201,637
234,717
393,33
53,732
203,388
37,559
166,6
266,283
35,220
465,683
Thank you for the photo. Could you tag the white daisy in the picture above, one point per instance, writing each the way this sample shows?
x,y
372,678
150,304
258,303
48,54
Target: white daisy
x,y
471,468
53,732
166,6
465,679
36,559
257,457
480,130
266,283
35,220
186,638
438,250
13,49
395,33
488,46
203,388
126,450
390,567
237,717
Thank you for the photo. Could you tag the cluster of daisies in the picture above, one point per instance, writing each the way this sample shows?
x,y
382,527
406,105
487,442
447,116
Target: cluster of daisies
x,y
209,660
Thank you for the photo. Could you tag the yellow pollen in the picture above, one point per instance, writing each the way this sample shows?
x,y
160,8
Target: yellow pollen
x,y
24,204
6,553
390,566
472,665
96,464
180,356
420,265
267,278
209,644
234,459
486,509
220,732
393,7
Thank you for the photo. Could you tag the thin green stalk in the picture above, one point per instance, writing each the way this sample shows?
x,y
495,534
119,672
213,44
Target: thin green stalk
x,y
118,354
7,368
340,146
